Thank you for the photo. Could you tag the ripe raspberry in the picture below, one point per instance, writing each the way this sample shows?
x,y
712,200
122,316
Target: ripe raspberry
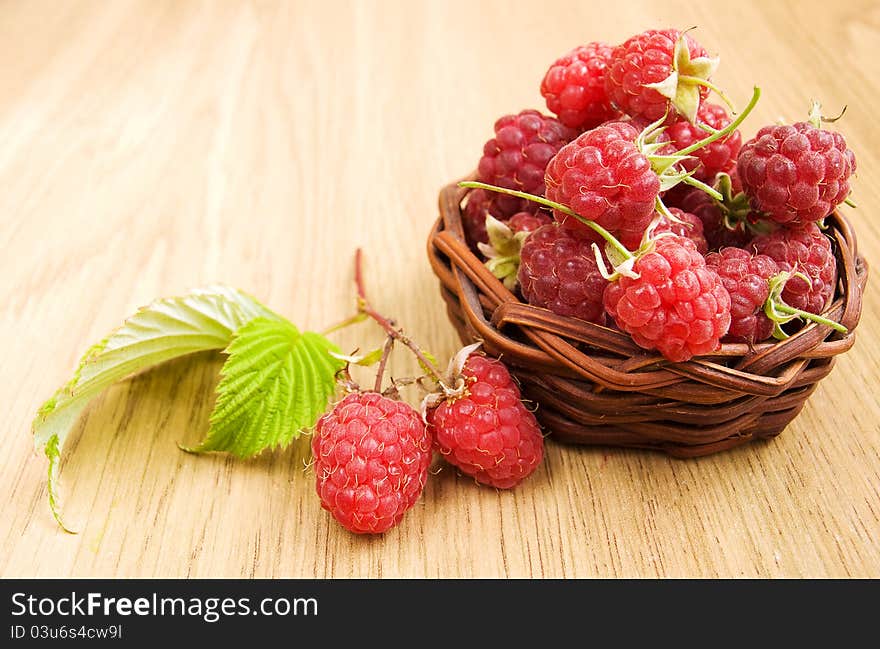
x,y
574,87
746,277
699,203
691,228
804,249
525,222
488,433
676,306
796,174
558,271
518,155
603,177
709,160
371,457
644,59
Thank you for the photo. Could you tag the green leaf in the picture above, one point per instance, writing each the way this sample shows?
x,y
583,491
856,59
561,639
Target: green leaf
x,y
166,329
276,382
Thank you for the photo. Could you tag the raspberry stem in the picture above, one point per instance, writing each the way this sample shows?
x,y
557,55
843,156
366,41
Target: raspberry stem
x,y
717,135
364,307
780,312
540,200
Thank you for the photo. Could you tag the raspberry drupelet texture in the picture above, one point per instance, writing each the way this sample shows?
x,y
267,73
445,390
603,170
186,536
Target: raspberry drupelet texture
x,y
518,155
371,457
714,158
642,60
480,204
603,177
574,87
697,202
691,227
677,305
488,433
796,174
746,277
806,250
558,271
526,222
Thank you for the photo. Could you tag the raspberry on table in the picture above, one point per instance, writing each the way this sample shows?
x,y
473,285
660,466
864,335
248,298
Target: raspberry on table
x,y
806,250
371,457
574,87
714,158
691,227
677,305
488,433
645,59
558,272
602,176
796,174
746,277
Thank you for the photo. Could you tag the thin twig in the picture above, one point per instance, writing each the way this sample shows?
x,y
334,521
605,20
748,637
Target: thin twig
x,y
365,307
386,352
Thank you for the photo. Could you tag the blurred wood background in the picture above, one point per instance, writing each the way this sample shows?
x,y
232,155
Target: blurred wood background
x,y
150,147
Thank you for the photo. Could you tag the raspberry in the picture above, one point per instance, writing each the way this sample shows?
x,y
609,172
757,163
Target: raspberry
x,y
806,250
488,433
677,305
796,174
526,222
690,228
371,457
558,271
699,203
644,59
603,177
574,87
518,155
746,277
714,158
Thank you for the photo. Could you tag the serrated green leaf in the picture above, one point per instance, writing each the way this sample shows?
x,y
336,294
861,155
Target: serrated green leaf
x,y
166,329
275,383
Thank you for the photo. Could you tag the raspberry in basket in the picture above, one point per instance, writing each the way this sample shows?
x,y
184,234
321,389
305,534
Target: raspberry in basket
x,y
746,277
574,87
720,156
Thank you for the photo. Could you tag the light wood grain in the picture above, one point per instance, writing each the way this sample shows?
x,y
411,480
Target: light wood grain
x,y
150,147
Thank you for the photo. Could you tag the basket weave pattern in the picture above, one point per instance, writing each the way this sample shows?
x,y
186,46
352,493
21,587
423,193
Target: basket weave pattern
x,y
594,385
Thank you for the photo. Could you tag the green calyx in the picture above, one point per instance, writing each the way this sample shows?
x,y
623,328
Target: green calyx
x,y
780,313
668,166
682,86
502,251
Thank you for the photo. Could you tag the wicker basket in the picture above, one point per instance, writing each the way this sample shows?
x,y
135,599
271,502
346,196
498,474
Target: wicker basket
x,y
593,385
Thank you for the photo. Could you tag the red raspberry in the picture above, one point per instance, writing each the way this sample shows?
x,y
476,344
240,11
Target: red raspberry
x,y
603,177
574,87
488,433
714,158
676,306
699,203
804,249
746,277
558,271
525,222
645,59
518,155
796,174
690,228
371,457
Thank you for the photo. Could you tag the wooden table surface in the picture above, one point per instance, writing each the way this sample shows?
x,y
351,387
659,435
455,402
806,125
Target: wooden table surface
x,y
151,147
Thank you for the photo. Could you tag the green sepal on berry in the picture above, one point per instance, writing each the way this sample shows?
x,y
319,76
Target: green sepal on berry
x,y
781,313
688,76
502,251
